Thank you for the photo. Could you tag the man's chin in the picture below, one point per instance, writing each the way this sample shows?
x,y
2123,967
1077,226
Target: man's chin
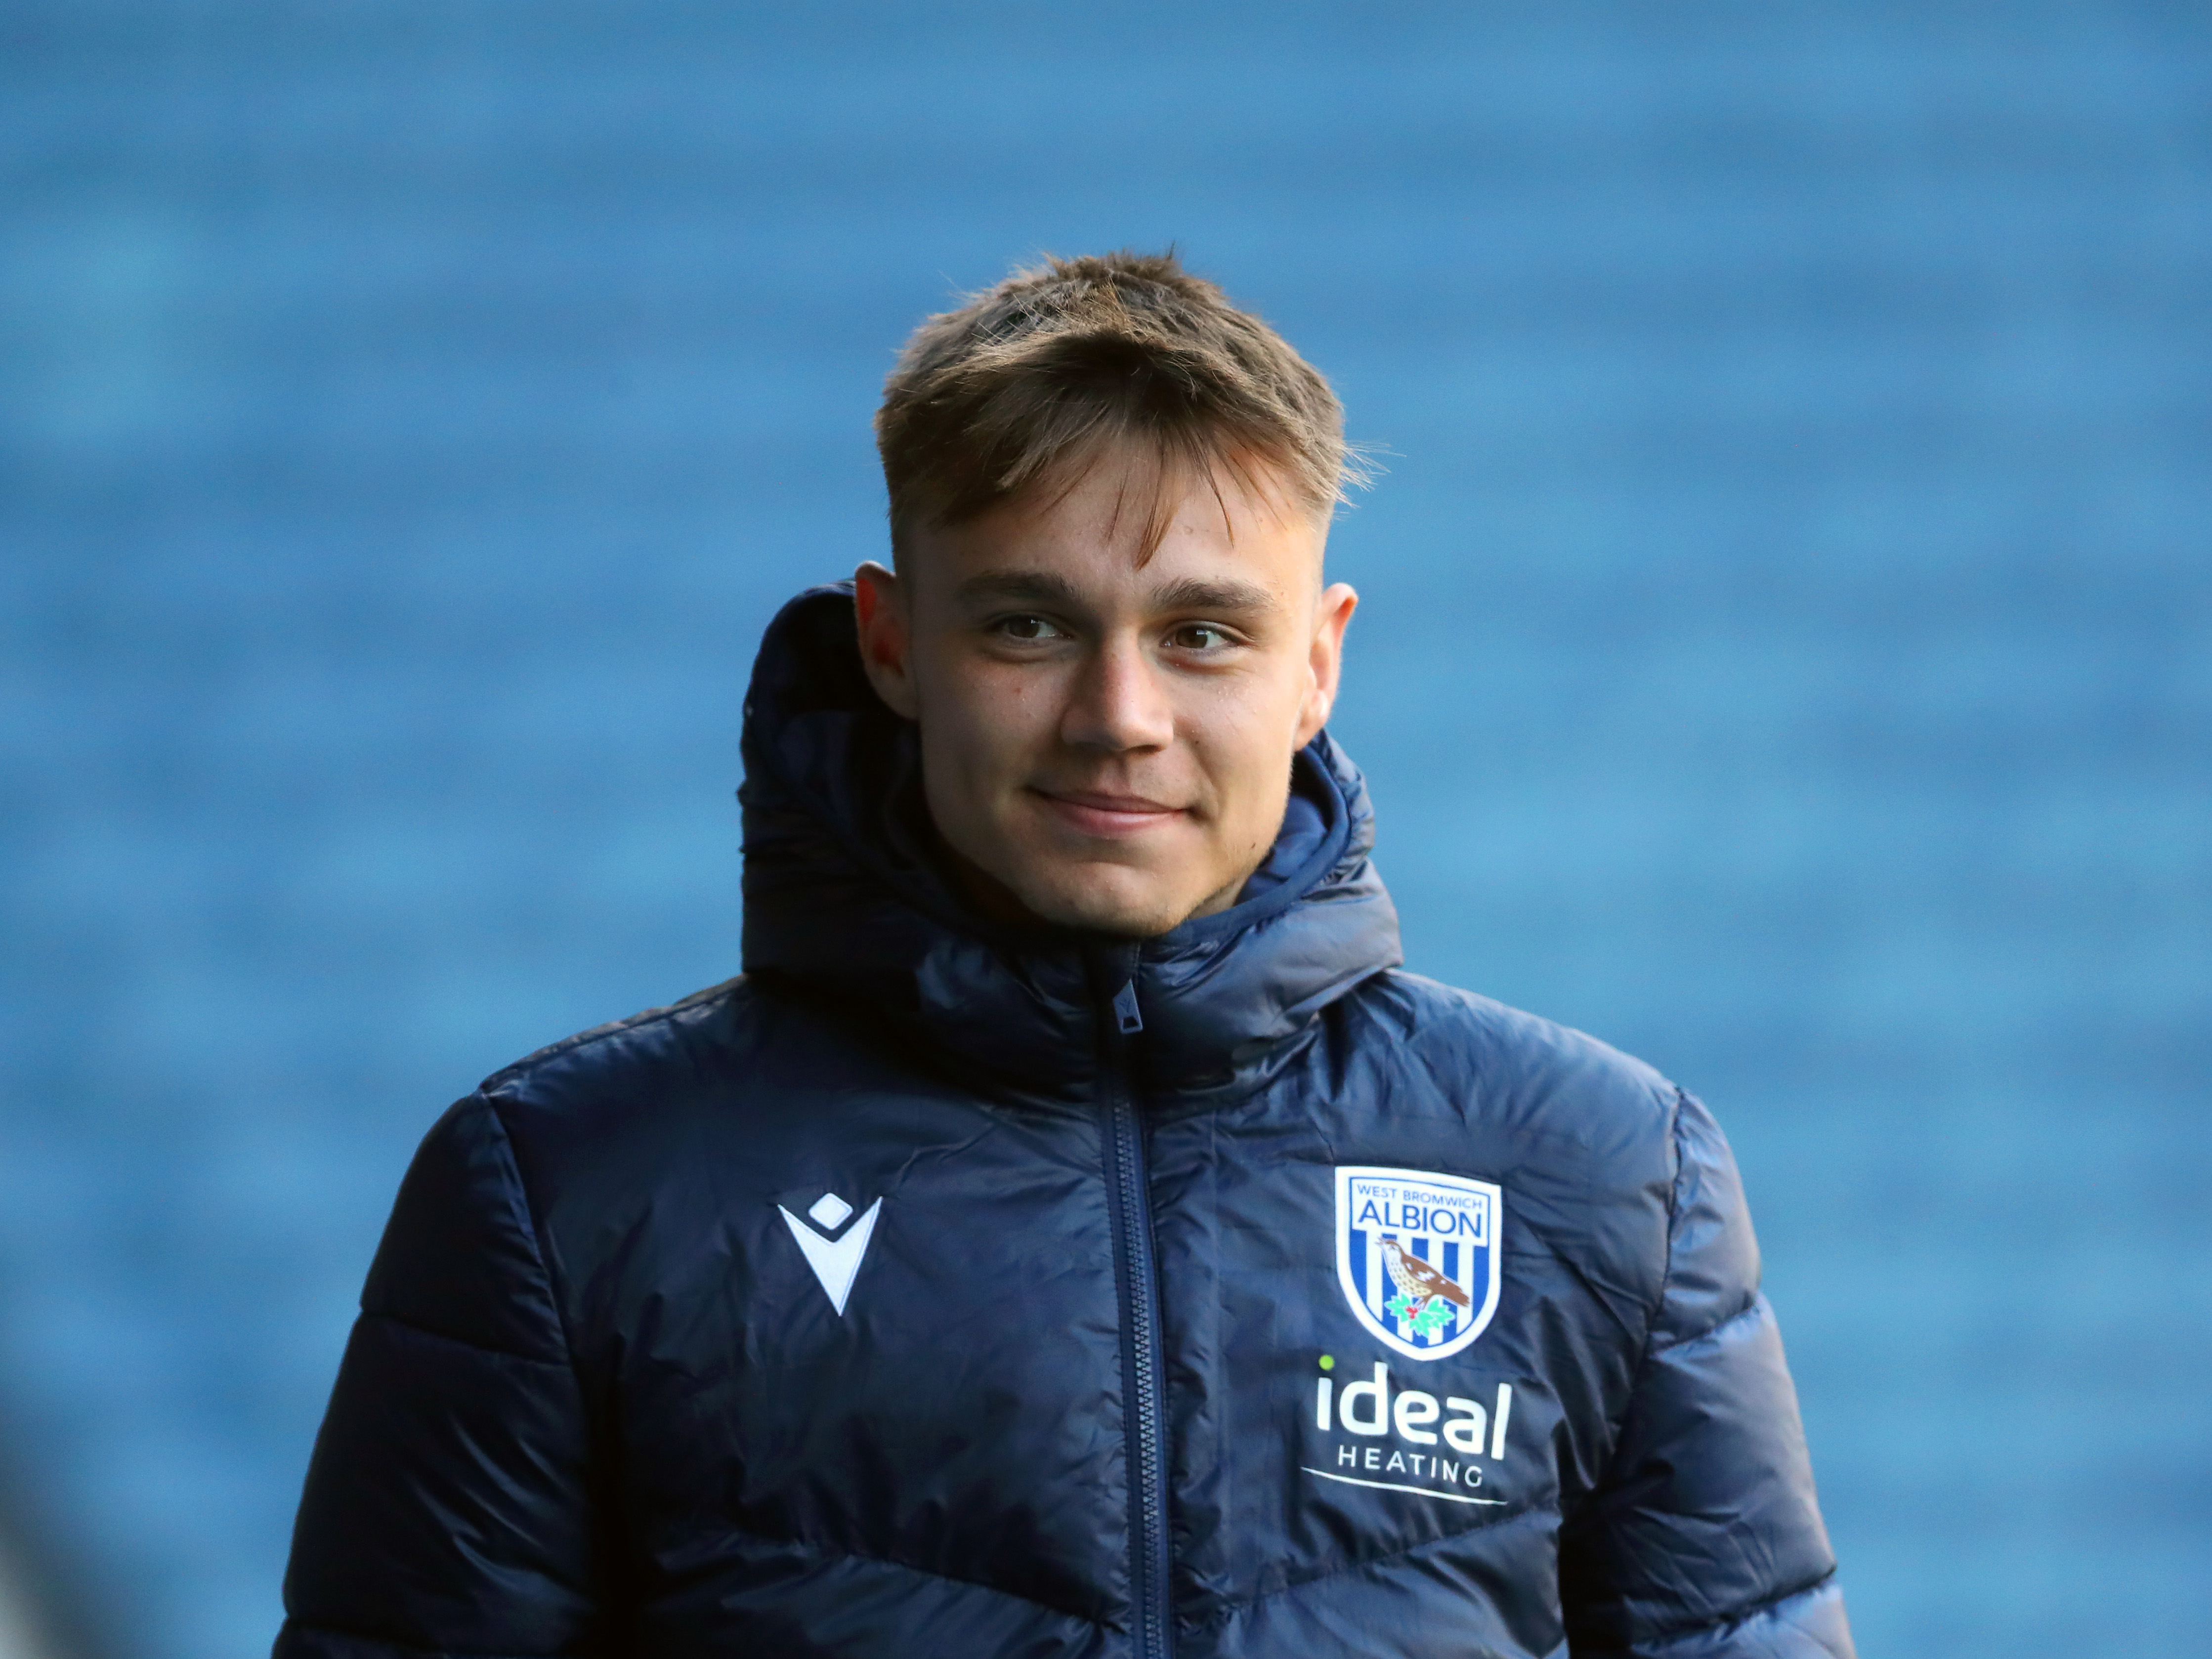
x,y
1131,909
1091,895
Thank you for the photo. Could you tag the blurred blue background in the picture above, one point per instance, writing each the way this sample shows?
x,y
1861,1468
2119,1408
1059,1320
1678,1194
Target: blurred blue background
x,y
1787,649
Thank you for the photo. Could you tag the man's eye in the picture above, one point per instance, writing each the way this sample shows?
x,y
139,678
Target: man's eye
x,y
1199,636
1027,628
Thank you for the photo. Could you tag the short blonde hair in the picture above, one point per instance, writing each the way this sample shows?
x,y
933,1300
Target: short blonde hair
x,y
1022,388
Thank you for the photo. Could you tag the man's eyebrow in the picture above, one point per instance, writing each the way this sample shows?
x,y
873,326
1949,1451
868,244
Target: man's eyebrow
x,y
1018,587
1193,593
1049,588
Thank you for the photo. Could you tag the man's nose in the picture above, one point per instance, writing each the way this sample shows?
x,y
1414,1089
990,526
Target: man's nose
x,y
1118,702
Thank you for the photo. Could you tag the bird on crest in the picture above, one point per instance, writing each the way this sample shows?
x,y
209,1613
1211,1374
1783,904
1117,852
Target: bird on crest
x,y
1416,1280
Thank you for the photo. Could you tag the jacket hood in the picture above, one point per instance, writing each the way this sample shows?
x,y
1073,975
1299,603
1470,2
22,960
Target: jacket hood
x,y
845,893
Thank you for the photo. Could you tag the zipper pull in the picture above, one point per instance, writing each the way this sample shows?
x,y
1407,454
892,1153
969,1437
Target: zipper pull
x,y
1124,1010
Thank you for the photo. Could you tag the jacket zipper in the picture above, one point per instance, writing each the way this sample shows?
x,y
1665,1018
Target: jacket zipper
x,y
1140,1363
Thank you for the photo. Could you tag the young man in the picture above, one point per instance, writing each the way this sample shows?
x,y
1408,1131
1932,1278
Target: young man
x,y
1073,1234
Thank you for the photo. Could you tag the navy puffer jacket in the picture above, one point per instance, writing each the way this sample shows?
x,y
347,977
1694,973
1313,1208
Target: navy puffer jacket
x,y
934,1290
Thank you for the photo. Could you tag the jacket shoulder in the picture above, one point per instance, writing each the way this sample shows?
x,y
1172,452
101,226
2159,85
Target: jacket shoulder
x,y
600,1118
613,1095
619,1050
1524,1068
742,1029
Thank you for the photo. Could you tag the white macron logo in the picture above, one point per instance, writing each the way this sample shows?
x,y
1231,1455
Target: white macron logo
x,y
833,1256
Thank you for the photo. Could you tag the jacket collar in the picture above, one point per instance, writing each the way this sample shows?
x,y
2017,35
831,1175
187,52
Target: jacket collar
x,y
844,893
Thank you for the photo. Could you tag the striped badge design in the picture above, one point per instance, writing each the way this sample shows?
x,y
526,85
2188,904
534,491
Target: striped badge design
x,y
1418,1255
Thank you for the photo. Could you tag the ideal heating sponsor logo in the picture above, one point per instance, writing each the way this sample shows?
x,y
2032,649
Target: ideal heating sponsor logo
x,y
1408,1440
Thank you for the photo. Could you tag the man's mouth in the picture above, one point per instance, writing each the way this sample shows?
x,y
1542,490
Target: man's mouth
x,y
1105,813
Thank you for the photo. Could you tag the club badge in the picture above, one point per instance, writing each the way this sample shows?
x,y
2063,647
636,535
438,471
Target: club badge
x,y
1417,1256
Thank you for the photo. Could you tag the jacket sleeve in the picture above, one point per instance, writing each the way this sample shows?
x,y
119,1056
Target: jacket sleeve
x,y
1703,1541
447,1508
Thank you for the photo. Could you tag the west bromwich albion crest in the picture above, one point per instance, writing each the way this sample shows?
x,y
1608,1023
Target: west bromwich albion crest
x,y
1417,1256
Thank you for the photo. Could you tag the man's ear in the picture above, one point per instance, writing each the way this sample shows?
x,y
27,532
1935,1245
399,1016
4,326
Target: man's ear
x,y
1331,617
886,642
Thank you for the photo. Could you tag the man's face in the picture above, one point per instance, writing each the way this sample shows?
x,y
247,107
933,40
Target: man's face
x,y
1106,739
